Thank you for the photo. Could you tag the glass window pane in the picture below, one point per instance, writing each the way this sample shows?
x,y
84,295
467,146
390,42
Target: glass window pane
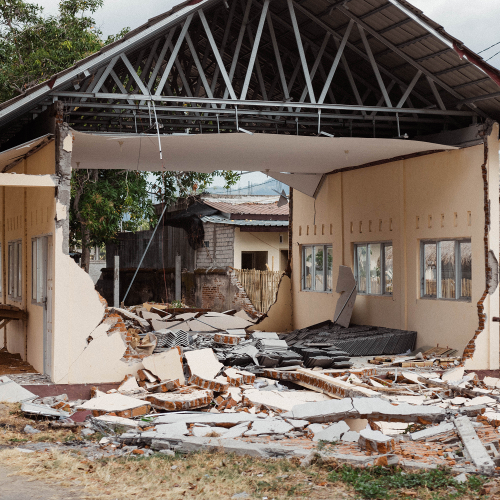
x,y
466,267
361,267
430,270
448,270
329,269
308,267
319,284
19,269
33,270
388,267
375,264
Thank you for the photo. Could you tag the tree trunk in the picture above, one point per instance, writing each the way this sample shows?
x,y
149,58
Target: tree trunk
x,y
85,249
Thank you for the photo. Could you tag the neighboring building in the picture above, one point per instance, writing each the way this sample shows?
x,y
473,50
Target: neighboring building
x,y
211,231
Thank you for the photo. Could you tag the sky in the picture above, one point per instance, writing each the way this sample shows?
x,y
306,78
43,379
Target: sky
x,y
475,23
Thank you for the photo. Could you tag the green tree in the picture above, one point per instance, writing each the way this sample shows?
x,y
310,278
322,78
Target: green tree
x,y
33,47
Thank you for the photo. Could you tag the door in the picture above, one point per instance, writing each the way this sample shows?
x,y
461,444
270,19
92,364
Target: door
x,y
42,286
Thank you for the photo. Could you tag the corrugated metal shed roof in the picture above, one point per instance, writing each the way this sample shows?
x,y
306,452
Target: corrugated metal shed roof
x,y
248,208
214,219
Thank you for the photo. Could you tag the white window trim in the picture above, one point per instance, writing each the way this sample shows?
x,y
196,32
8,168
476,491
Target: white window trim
x,y
382,244
325,267
458,270
14,270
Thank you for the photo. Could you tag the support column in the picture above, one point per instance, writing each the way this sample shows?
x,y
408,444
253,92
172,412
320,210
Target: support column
x,y
178,278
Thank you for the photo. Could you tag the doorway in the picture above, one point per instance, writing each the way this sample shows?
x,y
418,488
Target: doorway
x,y
42,286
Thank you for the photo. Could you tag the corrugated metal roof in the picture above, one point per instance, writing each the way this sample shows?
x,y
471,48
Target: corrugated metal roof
x,y
401,38
214,219
248,208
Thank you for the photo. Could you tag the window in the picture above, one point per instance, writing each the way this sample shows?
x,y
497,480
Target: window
x,y
373,268
446,268
15,270
39,255
317,262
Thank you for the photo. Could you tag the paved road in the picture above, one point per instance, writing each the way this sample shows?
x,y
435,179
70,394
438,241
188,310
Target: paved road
x,y
22,488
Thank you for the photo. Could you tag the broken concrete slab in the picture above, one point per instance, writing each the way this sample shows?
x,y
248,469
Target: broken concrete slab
x,y
370,408
121,405
166,365
116,422
174,429
269,426
206,431
432,431
176,401
191,444
332,386
375,441
473,445
297,424
219,384
203,363
453,375
127,315
237,377
332,433
350,437
129,385
281,400
10,392
217,419
43,410
236,431
224,322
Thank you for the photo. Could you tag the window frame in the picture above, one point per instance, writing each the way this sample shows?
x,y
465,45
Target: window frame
x,y
325,247
383,245
458,269
14,270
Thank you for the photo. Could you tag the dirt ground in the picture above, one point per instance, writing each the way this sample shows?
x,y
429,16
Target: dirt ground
x,y
13,487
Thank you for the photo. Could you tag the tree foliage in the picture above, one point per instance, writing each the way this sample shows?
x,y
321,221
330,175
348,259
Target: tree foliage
x,y
33,47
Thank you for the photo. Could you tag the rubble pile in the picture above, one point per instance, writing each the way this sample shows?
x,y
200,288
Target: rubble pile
x,y
255,393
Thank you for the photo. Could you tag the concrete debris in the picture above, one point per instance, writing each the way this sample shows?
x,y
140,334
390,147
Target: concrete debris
x,y
210,384
120,405
10,392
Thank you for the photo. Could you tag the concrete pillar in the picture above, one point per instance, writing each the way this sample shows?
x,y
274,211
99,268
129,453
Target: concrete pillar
x,y
178,278
116,291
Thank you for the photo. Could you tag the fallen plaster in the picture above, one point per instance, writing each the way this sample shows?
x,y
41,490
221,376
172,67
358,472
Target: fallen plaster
x,y
279,316
166,365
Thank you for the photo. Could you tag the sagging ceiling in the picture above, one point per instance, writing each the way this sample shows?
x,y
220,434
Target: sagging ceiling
x,y
299,162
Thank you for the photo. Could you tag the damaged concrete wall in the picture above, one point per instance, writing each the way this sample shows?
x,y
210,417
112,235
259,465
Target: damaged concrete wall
x,y
280,314
220,251
437,196
26,213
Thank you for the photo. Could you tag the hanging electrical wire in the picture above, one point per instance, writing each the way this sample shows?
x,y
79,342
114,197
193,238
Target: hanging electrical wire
x,y
494,55
488,48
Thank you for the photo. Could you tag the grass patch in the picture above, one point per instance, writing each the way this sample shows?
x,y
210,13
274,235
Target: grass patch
x,y
387,483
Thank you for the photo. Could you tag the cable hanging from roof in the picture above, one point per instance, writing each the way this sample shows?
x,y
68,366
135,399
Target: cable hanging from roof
x,y
494,55
491,46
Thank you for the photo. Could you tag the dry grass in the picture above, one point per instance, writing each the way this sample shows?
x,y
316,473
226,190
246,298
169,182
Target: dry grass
x,y
12,423
200,476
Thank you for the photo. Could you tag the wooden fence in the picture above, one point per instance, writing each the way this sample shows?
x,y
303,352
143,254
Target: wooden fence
x,y
448,288
260,286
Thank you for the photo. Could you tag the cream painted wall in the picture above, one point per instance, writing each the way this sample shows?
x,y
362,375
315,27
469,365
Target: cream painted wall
x,y
382,203
257,242
28,212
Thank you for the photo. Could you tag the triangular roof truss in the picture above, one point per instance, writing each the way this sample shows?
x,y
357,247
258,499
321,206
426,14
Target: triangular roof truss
x,y
283,66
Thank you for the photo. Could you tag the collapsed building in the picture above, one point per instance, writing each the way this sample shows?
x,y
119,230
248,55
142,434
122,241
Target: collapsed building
x,y
382,124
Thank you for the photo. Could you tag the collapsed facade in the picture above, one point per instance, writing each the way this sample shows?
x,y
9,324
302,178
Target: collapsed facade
x,y
387,185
